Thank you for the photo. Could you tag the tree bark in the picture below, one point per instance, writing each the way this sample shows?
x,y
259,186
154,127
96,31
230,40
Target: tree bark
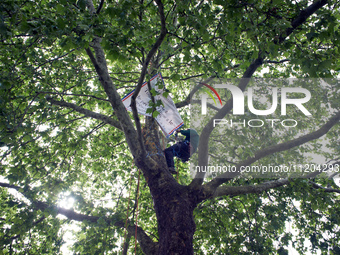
x,y
174,208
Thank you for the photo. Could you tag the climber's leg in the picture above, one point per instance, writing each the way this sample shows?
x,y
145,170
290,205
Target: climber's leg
x,y
170,153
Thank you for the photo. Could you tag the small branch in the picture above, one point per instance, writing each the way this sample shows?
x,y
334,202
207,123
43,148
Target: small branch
x,y
333,175
209,105
192,92
54,59
76,95
186,101
25,112
93,130
43,206
276,62
86,112
100,7
328,190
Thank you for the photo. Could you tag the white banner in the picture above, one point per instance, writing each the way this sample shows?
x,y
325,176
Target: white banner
x,y
168,119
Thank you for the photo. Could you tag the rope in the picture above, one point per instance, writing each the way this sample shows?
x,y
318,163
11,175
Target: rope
x,y
137,211
177,169
127,213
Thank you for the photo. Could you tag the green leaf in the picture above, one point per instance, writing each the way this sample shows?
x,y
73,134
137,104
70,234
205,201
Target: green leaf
x,y
155,114
166,94
153,92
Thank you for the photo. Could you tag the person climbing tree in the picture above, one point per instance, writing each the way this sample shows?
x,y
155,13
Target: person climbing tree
x,y
182,150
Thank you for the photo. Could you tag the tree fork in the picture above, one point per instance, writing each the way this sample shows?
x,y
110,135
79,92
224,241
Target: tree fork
x,y
173,203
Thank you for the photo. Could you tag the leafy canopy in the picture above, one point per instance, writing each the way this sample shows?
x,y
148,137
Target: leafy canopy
x,y
60,139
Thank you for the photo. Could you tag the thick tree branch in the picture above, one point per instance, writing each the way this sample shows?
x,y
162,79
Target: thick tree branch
x,y
302,17
256,189
86,112
7,185
144,69
148,246
99,63
250,189
211,186
147,164
70,214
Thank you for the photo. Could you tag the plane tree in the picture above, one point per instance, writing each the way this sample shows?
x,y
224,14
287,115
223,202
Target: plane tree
x,y
71,155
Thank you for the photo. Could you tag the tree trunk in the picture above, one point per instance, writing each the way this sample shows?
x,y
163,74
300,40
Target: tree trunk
x,y
176,226
174,204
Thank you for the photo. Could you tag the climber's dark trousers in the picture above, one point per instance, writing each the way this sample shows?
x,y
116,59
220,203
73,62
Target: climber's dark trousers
x,y
180,150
